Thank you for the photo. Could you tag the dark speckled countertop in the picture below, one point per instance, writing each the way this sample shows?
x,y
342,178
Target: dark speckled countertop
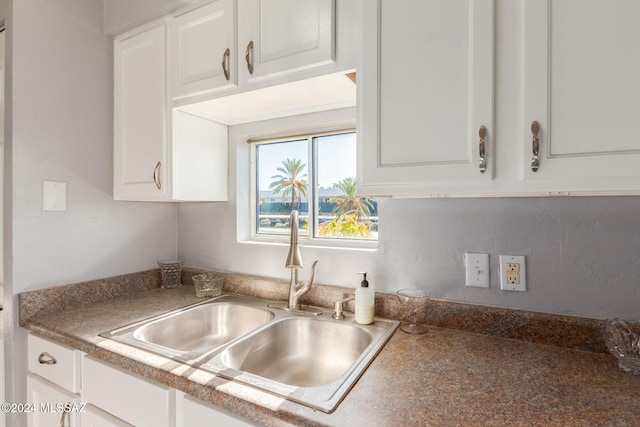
x,y
445,377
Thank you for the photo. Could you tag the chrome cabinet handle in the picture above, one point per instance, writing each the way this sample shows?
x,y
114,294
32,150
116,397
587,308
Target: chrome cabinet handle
x,y
482,164
65,414
225,65
535,146
46,359
156,176
248,56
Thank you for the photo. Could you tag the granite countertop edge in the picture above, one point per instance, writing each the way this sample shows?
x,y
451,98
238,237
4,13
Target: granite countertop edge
x,y
77,324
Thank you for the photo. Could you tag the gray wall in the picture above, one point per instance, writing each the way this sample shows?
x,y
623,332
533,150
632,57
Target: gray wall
x,y
582,253
61,129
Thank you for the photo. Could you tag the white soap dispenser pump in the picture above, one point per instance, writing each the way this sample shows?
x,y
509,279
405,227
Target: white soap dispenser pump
x,y
364,302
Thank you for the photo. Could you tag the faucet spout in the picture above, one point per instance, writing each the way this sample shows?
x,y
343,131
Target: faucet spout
x,y
294,259
294,262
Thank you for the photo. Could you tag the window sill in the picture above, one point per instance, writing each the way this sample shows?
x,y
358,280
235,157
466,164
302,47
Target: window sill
x,y
348,245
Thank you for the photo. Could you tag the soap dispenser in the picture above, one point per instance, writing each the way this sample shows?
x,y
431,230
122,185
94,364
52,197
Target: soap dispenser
x,y
364,302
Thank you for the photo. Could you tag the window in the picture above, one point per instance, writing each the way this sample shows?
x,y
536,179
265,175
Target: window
x,y
315,175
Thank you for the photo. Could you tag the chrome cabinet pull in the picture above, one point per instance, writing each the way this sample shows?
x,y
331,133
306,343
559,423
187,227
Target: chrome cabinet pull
x,y
482,164
46,359
248,56
535,146
65,414
156,176
225,65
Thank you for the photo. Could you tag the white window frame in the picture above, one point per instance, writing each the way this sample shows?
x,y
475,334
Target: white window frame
x,y
247,232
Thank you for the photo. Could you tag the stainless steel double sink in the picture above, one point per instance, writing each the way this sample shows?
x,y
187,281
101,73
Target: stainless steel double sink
x,y
309,359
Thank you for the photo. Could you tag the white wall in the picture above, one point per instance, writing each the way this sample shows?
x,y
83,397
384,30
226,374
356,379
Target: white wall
x,y
61,107
123,15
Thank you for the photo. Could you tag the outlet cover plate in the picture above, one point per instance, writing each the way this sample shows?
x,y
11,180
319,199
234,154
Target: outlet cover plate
x,y
513,273
477,270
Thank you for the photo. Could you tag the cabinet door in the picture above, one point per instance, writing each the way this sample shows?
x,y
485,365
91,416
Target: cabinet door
x,y
427,89
140,114
279,37
203,50
47,397
95,417
128,397
191,412
582,64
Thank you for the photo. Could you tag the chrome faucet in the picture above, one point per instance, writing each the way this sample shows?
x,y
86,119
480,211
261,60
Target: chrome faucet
x,y
294,262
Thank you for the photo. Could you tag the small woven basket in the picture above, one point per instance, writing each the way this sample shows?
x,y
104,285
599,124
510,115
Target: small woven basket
x,y
208,285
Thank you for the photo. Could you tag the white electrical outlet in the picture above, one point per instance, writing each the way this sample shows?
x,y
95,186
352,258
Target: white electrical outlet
x,y
513,274
477,270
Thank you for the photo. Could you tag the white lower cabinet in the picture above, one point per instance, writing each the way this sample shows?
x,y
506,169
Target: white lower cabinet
x,y
129,397
49,403
191,412
67,388
96,417
53,383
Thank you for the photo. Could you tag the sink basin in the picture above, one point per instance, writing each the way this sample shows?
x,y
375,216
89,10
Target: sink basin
x,y
192,331
203,327
309,359
302,352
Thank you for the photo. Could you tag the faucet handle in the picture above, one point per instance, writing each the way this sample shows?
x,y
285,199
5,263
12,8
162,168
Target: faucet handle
x,y
313,272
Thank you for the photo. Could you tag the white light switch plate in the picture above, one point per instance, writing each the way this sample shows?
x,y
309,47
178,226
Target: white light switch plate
x,y
54,196
477,270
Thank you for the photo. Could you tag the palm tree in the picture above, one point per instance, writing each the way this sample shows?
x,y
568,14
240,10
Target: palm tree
x,y
348,202
291,181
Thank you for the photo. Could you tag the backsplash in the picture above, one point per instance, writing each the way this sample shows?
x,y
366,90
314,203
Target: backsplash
x,y
562,331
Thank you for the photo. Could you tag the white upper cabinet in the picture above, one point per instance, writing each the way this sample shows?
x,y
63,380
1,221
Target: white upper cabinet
x,y
140,116
161,155
582,86
170,147
566,98
280,37
427,97
278,41
203,49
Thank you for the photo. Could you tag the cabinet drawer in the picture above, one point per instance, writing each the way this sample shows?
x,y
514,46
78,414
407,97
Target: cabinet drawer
x,y
56,363
129,397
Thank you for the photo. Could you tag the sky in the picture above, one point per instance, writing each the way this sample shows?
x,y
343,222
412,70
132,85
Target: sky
x,y
336,159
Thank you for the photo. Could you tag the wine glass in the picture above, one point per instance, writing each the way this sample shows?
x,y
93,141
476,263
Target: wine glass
x,y
415,303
